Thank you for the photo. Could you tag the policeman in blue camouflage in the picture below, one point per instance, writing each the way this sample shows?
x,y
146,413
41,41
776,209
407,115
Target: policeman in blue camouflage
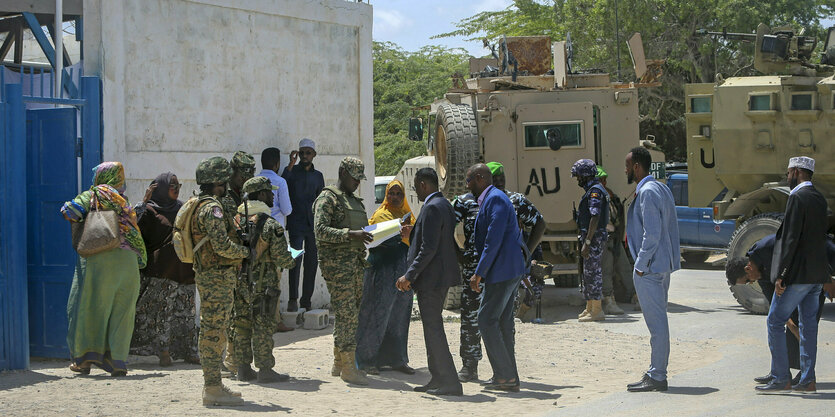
x,y
532,225
243,167
215,265
257,291
592,217
338,218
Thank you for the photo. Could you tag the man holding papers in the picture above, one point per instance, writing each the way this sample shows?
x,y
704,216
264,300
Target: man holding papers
x,y
432,269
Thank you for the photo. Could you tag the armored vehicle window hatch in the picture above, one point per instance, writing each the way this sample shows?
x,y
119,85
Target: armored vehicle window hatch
x,y
554,135
802,101
759,102
700,104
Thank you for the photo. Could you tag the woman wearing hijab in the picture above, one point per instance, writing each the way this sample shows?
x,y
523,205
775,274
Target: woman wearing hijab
x,y
385,312
102,300
165,311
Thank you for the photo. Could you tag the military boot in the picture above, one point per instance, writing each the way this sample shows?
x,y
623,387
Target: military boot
x,y
245,373
216,395
610,306
586,310
468,372
267,375
595,313
337,362
350,373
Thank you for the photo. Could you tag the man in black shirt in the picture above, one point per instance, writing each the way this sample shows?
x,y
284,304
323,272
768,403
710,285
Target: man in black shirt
x,y
756,265
304,183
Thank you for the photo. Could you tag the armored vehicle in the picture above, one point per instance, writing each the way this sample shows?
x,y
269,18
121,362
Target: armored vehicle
x,y
527,108
741,132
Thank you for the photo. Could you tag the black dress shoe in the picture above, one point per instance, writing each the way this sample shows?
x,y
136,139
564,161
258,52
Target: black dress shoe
x,y
635,384
774,387
427,387
796,379
453,390
506,386
487,382
763,379
406,369
649,385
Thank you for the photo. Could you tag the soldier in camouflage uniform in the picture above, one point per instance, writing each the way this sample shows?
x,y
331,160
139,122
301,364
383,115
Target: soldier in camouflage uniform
x,y
215,265
614,263
243,167
256,295
338,219
532,225
592,218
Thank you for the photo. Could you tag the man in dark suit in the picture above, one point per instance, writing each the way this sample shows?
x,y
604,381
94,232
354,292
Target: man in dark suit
x,y
501,264
799,268
433,268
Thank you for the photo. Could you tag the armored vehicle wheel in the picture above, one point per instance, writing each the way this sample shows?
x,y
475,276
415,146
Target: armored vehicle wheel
x,y
751,295
453,298
456,146
695,257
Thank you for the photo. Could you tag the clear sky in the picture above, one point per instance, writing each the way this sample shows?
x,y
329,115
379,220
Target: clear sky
x,y
411,23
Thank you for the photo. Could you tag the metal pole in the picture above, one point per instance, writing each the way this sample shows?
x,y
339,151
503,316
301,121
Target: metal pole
x,y
617,37
58,40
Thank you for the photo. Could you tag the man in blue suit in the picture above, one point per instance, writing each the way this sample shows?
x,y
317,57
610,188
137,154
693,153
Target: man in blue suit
x,y
501,265
652,235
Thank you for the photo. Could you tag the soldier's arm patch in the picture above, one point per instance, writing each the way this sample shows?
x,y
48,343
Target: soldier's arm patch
x,y
217,212
594,195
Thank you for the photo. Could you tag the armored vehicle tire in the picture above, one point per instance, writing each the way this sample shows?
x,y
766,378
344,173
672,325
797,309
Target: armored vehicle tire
x,y
453,298
456,146
566,281
695,257
751,295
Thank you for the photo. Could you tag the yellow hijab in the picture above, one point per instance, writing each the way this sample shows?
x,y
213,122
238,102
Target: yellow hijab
x,y
388,211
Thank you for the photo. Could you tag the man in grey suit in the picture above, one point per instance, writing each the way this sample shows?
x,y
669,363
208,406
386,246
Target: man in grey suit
x,y
652,235
433,268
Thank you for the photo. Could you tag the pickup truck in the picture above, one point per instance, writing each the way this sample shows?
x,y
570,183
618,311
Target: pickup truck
x,y
699,233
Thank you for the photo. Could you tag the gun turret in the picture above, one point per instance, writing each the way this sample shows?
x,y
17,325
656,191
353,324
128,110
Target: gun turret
x,y
778,51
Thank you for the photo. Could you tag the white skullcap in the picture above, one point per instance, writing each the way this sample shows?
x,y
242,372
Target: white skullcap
x,y
802,162
307,143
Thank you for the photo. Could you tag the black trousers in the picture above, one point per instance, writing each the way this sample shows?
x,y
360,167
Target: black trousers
x,y
307,241
431,304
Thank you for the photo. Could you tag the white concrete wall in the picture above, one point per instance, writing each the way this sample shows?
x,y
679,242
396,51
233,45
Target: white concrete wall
x,y
185,80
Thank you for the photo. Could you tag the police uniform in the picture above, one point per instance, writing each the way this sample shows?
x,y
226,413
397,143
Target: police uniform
x,y
466,209
215,265
245,164
256,295
595,202
342,261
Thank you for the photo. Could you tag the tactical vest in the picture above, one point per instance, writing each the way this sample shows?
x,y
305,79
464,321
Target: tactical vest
x,y
355,218
206,257
584,216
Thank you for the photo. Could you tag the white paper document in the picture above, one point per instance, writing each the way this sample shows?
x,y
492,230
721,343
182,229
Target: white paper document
x,y
382,232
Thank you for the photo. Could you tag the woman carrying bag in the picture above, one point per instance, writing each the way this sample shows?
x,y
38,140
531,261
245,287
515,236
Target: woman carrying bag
x,y
102,300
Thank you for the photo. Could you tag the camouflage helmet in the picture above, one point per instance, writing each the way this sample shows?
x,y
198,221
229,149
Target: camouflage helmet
x,y
584,168
354,167
213,170
242,160
256,184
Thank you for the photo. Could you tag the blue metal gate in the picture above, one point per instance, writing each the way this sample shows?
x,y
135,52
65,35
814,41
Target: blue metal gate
x,y
40,166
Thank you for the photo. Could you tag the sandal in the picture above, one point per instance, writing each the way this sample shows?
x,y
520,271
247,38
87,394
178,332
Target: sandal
x,y
81,370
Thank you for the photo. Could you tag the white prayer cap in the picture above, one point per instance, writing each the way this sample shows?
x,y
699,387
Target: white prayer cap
x,y
307,143
802,162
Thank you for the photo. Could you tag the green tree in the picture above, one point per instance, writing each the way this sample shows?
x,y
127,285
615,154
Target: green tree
x,y
667,28
403,82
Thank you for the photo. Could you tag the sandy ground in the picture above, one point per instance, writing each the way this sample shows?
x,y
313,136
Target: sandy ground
x,y
561,363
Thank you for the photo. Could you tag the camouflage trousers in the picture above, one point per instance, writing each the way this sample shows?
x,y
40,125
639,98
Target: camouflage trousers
x,y
216,288
253,336
615,266
470,349
344,281
592,270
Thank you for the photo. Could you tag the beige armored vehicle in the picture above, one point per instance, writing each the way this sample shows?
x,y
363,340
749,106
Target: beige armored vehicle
x,y
741,132
528,109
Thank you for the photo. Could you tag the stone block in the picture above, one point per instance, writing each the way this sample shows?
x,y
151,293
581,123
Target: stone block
x,y
316,319
294,319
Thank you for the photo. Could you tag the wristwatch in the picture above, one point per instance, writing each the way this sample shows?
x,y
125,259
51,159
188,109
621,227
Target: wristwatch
x,y
588,242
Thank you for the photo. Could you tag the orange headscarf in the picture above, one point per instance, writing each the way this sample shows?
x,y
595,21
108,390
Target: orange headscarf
x,y
388,211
